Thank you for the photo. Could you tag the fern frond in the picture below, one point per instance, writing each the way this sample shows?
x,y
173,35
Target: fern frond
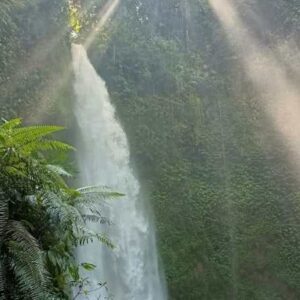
x,y
10,124
44,145
102,191
49,177
26,261
2,137
2,280
93,218
3,214
85,236
59,170
91,196
26,272
13,171
59,211
25,135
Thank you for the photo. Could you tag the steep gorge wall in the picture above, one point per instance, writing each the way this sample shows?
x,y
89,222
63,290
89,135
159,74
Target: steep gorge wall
x,y
225,199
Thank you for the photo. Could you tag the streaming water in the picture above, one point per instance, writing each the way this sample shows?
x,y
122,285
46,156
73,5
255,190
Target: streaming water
x,y
131,270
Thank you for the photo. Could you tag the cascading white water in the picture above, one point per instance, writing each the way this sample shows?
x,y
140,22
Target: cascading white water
x,y
131,270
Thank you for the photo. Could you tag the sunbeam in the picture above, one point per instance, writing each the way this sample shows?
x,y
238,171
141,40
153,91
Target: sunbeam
x,y
56,83
36,59
103,16
279,96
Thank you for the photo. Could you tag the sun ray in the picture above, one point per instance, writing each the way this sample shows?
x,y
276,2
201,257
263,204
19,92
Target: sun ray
x,y
280,97
103,16
55,84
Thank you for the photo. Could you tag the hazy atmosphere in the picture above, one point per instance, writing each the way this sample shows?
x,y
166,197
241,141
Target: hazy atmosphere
x,y
150,149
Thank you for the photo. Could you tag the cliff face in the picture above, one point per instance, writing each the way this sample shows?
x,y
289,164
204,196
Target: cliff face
x,y
216,173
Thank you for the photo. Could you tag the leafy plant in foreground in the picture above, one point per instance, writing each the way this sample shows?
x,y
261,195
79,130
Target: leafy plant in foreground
x,y
42,220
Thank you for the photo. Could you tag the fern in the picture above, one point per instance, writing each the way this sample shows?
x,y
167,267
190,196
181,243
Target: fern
x,y
2,279
58,170
32,133
95,218
33,147
3,214
69,217
42,220
28,140
102,191
92,196
26,261
59,211
85,236
7,125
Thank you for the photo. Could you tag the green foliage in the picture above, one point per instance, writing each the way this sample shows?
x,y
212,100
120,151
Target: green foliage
x,y
42,220
34,56
226,201
74,18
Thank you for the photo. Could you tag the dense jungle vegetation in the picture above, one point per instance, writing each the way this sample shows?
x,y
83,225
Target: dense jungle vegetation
x,y
226,200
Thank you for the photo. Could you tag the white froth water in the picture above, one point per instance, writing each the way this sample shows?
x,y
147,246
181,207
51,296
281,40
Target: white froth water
x,y
131,270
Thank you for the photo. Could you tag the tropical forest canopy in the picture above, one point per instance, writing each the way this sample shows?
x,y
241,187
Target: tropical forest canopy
x,y
220,178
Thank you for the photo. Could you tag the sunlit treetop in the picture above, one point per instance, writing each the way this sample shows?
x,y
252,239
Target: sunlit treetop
x,y
75,21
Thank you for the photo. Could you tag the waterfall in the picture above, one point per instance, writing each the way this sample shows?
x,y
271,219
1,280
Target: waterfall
x,y
131,270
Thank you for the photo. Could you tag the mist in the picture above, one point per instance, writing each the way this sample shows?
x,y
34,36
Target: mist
x,y
280,94
150,149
